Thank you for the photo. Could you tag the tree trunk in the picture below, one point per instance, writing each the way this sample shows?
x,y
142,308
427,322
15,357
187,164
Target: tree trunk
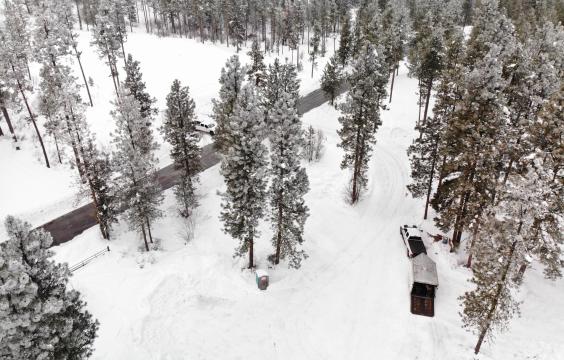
x,y
496,299
392,87
77,54
10,127
431,175
145,238
427,99
420,102
279,234
250,243
32,117
441,175
58,151
149,230
78,14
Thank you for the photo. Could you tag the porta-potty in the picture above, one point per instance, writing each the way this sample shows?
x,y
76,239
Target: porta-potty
x,y
424,281
262,279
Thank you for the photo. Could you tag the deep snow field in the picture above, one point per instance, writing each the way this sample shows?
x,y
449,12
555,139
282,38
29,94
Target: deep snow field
x,y
193,300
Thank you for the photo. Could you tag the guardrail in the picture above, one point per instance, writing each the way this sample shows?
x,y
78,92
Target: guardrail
x,y
89,259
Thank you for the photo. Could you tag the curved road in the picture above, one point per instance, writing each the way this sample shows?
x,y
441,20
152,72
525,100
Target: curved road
x,y
66,227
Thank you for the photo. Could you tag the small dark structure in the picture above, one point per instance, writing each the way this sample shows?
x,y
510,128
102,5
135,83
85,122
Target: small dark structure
x,y
424,283
262,279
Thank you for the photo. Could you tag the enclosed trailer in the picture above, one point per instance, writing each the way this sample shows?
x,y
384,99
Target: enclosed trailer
x,y
424,283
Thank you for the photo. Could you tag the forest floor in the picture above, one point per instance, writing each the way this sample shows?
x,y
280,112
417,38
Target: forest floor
x,y
350,299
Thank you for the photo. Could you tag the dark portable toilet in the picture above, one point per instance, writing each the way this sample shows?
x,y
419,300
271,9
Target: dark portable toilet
x,y
262,279
424,281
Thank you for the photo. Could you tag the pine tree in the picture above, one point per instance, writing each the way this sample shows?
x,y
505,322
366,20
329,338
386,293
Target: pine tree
x,y
289,182
423,155
361,116
280,78
314,47
179,130
98,174
257,70
51,38
39,317
14,54
236,11
136,86
108,36
344,51
331,79
231,80
244,171
491,304
135,163
473,128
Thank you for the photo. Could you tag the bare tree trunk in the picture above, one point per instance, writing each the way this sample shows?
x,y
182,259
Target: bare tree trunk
x,y
78,14
58,151
251,243
10,127
145,238
392,87
431,175
279,234
32,117
149,230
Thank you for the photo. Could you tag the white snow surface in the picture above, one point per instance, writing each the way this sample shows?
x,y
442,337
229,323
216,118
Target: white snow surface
x,y
350,299
193,300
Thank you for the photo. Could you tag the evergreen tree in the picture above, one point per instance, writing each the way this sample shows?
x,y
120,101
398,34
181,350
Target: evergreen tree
x,y
244,171
361,117
98,174
14,54
231,80
331,79
289,182
136,86
39,317
236,13
134,162
473,128
314,47
280,78
257,70
491,304
344,51
179,130
108,36
423,155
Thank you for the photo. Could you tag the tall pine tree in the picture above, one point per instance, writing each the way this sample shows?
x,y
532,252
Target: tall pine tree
x,y
289,182
361,116
179,130
244,171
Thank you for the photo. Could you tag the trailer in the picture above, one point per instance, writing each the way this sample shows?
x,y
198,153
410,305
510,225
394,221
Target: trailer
x,y
423,285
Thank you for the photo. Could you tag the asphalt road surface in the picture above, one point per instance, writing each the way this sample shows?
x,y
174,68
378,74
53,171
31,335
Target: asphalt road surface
x,y
66,227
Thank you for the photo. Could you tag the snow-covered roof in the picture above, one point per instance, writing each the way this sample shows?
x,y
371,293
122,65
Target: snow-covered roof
x,y
413,231
424,270
261,273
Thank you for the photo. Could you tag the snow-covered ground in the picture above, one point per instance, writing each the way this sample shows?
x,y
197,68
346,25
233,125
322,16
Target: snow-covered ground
x,y
29,190
350,300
